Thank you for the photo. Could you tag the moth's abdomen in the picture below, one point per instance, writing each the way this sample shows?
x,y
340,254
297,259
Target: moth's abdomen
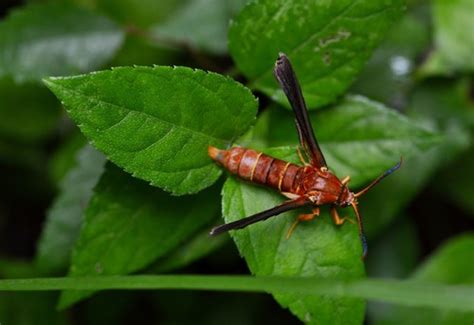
x,y
258,167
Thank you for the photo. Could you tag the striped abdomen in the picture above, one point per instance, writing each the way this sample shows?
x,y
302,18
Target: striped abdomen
x,y
259,168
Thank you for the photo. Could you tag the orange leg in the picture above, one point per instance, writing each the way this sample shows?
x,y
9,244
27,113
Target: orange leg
x,y
300,155
337,219
302,217
346,180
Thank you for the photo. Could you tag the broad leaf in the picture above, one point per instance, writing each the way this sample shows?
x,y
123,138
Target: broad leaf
x,y
64,218
443,107
358,137
196,248
387,77
129,224
328,42
157,123
454,38
451,264
316,248
55,39
201,23
28,113
137,50
140,13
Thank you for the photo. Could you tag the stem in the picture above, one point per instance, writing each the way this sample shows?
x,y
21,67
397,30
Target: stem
x,y
402,292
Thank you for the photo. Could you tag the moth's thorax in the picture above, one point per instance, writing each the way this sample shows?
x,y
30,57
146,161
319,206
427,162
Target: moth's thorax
x,y
327,188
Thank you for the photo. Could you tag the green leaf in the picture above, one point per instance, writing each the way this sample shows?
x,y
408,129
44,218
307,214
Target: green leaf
x,y
28,113
396,253
317,248
64,158
451,264
200,23
387,77
64,218
140,13
358,137
196,248
328,42
129,224
441,106
55,39
454,39
137,50
157,123
456,182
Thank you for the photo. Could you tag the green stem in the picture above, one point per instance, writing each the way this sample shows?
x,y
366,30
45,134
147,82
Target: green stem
x,y
411,293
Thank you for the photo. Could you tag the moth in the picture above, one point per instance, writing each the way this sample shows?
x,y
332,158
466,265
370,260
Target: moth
x,y
311,184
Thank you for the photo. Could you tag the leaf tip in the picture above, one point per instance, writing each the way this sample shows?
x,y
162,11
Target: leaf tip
x,y
48,81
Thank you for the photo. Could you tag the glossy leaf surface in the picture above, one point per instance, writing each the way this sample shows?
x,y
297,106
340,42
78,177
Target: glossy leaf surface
x,y
328,42
129,224
55,39
157,123
65,216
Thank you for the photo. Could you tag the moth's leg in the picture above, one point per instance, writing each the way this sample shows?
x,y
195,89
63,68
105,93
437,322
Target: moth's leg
x,y
302,159
345,180
337,219
302,217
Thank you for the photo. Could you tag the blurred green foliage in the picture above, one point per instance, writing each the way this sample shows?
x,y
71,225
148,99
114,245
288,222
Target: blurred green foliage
x,y
410,70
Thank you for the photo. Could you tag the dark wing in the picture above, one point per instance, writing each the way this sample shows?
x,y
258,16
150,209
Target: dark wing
x,y
242,223
287,79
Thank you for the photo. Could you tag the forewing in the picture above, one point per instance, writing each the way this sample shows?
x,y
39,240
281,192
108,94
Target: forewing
x,y
264,215
286,77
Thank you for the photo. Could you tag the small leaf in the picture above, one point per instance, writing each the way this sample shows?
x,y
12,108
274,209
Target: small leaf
x,y
317,248
200,23
327,41
55,39
451,264
129,224
65,216
157,123
454,40
358,137
28,113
